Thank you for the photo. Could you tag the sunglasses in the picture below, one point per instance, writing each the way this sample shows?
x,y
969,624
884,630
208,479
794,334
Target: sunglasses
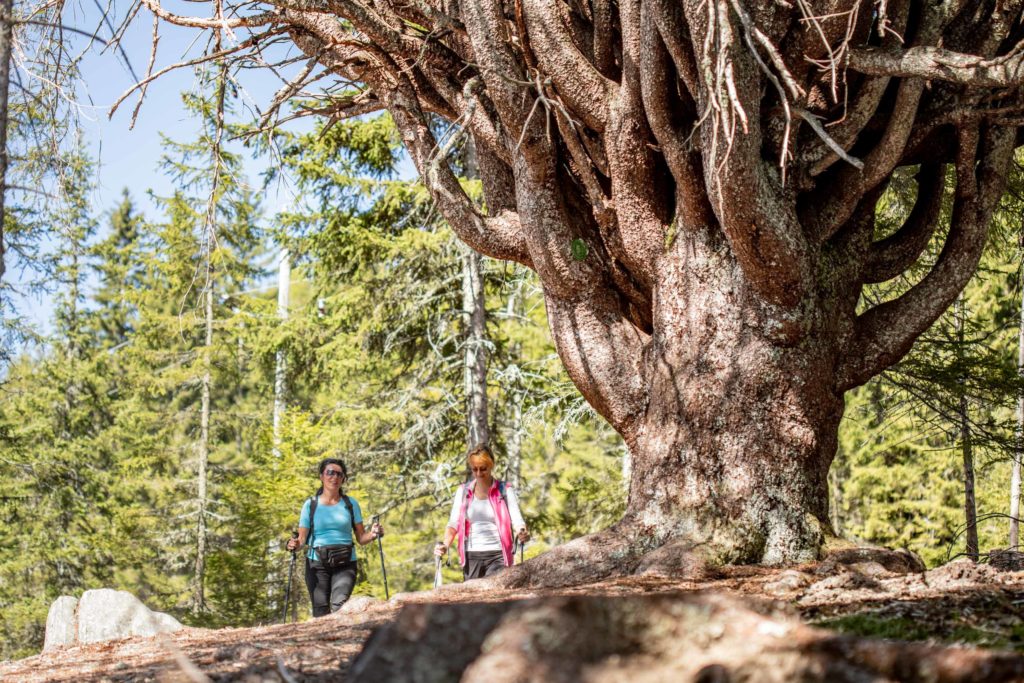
x,y
333,473
480,469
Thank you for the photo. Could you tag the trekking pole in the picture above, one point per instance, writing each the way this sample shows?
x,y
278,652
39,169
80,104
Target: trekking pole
x,y
383,569
438,578
288,587
522,548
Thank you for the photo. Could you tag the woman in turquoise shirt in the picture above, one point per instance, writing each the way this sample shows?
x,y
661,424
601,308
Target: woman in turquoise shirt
x,y
331,558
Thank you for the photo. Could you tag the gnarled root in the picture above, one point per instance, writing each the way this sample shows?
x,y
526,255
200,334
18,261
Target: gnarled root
x,y
606,555
611,554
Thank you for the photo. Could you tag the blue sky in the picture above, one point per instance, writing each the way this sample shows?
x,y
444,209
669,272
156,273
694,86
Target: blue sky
x,y
129,157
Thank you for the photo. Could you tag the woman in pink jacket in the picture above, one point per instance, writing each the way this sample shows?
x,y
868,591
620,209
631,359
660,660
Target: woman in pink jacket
x,y
485,516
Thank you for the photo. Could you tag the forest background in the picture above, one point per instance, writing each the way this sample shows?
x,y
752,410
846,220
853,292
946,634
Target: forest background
x,y
138,443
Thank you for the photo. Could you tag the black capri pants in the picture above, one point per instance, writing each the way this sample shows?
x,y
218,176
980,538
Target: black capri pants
x,y
482,563
329,589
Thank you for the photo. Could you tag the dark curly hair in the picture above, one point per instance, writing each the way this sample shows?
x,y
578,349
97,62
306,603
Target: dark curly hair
x,y
332,461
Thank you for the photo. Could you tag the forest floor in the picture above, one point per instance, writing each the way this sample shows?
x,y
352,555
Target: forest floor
x,y
974,608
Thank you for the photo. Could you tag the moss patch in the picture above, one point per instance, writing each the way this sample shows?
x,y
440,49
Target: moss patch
x,y
952,630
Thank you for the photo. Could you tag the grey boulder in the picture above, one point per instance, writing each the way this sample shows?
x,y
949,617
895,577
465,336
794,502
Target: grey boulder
x,y
103,614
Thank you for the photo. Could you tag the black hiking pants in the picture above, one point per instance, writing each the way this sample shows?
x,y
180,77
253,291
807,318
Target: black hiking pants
x,y
329,588
482,563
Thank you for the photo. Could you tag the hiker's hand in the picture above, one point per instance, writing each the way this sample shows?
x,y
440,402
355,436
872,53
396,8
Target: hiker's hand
x,y
293,544
377,530
523,536
440,549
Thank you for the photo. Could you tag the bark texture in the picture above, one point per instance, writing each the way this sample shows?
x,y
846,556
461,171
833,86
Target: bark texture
x,y
6,50
694,182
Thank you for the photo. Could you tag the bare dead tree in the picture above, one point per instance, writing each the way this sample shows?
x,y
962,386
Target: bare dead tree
x,y
474,371
6,7
1018,451
966,443
209,245
694,182
38,116
475,341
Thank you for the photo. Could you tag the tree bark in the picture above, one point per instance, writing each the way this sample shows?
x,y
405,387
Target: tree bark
x,y
735,444
6,19
280,358
209,238
837,479
516,392
475,353
966,445
203,459
71,354
1018,452
514,470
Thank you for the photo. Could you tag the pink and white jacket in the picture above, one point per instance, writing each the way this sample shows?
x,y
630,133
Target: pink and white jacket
x,y
506,514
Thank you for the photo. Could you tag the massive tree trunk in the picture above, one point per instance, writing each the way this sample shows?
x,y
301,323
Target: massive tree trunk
x,y
694,183
739,431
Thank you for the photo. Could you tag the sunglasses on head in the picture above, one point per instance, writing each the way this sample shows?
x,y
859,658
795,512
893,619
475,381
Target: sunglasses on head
x,y
333,473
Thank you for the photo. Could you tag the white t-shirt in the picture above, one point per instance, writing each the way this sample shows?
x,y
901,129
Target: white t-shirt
x,y
483,527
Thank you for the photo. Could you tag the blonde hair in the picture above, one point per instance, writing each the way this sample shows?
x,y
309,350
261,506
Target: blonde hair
x,y
481,452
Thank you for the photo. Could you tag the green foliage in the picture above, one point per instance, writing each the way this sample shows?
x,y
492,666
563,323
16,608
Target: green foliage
x,y
953,628
381,385
99,432
43,153
898,476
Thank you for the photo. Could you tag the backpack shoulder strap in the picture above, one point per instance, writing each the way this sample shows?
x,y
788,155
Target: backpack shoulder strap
x,y
467,496
313,500
351,510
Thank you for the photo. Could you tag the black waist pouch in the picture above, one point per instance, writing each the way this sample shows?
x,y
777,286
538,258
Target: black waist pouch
x,y
333,556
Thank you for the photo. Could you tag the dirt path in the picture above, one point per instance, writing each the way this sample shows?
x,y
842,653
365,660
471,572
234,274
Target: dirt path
x,y
956,604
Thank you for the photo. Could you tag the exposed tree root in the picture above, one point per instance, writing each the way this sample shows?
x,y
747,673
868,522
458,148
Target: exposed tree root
x,y
596,557
689,637
605,555
898,561
610,554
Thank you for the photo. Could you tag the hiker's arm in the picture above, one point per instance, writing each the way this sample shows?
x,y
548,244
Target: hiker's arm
x,y
518,523
365,536
453,519
304,523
